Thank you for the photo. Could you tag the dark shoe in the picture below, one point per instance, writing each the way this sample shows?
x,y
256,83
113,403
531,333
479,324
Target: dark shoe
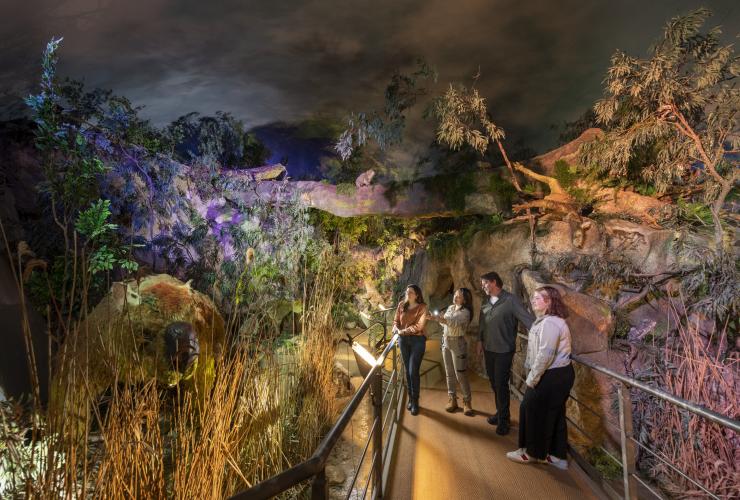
x,y
493,419
408,405
502,429
415,408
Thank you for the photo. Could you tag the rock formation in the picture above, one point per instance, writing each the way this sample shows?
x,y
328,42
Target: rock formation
x,y
365,178
508,250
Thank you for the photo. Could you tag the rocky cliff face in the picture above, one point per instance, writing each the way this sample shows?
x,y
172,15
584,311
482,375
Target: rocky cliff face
x,y
572,261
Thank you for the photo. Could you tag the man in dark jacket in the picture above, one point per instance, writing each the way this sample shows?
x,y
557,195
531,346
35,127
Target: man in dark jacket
x,y
497,341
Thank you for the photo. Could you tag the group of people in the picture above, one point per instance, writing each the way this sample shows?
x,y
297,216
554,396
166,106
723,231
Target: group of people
x,y
550,375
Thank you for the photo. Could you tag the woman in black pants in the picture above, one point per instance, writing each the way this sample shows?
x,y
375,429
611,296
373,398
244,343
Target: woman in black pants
x,y
543,433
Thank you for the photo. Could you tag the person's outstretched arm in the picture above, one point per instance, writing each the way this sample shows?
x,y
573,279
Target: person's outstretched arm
x,y
521,313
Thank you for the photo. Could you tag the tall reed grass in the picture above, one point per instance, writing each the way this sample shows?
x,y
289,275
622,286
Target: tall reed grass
x,y
265,411
693,368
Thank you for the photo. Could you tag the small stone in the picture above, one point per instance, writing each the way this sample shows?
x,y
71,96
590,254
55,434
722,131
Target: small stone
x,y
335,475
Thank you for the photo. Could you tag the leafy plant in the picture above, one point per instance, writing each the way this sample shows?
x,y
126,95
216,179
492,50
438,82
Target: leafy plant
x,y
444,242
73,173
602,462
503,189
672,118
221,138
566,174
442,246
92,222
712,283
452,187
694,213
386,127
346,189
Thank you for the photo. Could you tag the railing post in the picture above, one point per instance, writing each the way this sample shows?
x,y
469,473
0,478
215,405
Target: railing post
x,y
377,398
628,447
319,486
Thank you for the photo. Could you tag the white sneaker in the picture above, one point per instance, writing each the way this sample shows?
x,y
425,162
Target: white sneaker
x,y
560,463
520,456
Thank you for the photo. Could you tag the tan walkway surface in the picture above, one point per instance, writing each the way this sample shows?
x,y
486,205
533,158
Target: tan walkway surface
x,y
449,456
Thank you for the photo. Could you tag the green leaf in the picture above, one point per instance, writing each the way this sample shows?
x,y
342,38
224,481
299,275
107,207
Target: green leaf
x,y
128,265
102,260
92,222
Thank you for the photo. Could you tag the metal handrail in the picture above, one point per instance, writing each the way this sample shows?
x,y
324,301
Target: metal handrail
x,y
362,458
314,467
686,405
627,440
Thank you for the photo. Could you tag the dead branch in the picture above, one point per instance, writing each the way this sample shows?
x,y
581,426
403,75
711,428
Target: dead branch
x,y
556,190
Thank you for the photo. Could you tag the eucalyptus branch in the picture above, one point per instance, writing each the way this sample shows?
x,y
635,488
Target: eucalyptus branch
x,y
556,189
508,165
691,134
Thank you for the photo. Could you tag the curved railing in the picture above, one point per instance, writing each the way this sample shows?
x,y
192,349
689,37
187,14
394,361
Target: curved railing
x,y
628,443
314,468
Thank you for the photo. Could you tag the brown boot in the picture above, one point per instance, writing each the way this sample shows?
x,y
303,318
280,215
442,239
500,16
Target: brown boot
x,y
467,408
451,404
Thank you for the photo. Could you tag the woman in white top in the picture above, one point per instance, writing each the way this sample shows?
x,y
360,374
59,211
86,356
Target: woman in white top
x,y
543,433
455,348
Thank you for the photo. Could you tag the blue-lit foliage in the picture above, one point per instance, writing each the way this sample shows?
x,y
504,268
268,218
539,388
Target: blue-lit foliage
x,y
117,183
73,172
221,138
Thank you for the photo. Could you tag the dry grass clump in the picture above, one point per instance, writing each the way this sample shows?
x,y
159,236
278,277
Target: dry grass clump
x,y
313,392
265,412
691,368
128,463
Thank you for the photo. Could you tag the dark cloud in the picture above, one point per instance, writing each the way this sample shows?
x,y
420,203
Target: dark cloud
x,y
541,62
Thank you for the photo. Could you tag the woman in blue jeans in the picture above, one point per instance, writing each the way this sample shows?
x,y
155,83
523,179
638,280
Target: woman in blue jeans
x,y
409,322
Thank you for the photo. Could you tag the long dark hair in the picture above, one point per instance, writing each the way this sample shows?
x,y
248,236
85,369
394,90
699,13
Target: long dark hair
x,y
556,306
419,296
467,301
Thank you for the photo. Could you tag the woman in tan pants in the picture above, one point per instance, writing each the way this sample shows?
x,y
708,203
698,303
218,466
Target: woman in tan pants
x,y
455,348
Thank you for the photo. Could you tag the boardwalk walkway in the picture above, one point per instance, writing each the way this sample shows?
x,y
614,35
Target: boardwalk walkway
x,y
450,456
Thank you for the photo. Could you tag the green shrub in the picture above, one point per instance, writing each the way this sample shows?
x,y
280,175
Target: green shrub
x,y
694,213
602,462
621,324
567,175
453,188
346,189
582,196
443,246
